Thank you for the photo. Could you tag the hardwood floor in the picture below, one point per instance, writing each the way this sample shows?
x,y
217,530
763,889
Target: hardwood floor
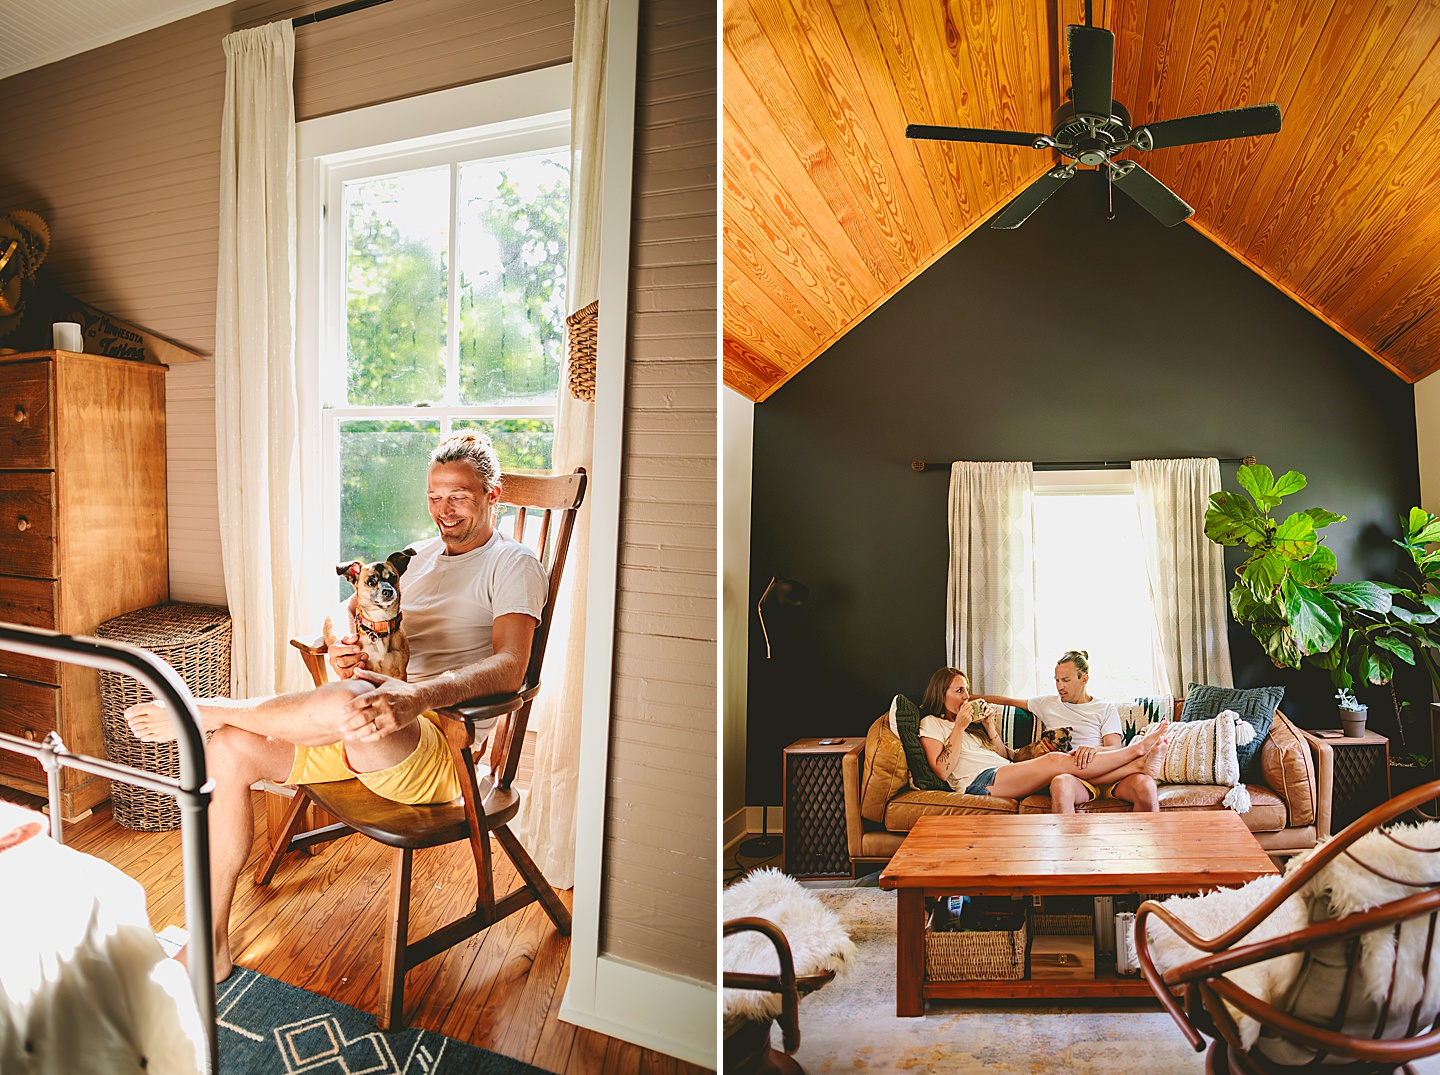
x,y
319,926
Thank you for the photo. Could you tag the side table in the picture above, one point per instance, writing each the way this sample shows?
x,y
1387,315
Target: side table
x,y
815,844
1362,775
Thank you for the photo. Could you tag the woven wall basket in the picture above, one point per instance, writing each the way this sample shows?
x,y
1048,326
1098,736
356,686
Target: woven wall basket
x,y
584,328
195,640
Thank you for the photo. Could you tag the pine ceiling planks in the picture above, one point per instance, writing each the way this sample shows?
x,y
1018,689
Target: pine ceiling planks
x,y
829,210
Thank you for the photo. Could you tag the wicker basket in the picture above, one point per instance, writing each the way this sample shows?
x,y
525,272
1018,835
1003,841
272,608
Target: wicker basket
x,y
195,640
1062,925
584,326
962,955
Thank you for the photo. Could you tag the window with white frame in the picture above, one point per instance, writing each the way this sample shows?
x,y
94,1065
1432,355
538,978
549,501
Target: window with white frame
x,y
1091,591
441,308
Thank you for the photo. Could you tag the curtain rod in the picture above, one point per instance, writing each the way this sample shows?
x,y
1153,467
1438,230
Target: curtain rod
x,y
335,12
1086,464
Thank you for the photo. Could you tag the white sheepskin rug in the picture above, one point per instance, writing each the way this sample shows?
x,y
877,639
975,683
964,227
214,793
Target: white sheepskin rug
x,y
817,940
1350,887
1212,914
1203,752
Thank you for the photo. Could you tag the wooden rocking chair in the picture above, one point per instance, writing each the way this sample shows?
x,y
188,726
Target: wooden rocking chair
x,y
489,803
1328,1020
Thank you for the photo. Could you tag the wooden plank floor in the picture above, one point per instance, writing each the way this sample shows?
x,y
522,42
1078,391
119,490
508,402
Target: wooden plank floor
x,y
320,923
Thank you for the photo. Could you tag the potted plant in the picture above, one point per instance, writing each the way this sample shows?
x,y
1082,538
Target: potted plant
x,y
1286,595
1352,713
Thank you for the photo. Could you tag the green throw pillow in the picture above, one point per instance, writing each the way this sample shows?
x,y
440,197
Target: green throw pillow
x,y
1256,707
907,726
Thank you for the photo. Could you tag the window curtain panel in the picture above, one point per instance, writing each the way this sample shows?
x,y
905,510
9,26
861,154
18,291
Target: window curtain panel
x,y
255,410
990,607
1186,572
547,821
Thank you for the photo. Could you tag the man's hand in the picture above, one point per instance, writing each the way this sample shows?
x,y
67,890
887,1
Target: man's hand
x,y
1083,756
392,705
346,656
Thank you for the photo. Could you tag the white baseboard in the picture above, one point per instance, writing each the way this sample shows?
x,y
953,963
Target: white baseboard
x,y
665,1012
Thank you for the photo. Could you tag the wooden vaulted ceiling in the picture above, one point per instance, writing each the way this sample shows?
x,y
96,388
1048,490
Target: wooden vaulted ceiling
x,y
829,209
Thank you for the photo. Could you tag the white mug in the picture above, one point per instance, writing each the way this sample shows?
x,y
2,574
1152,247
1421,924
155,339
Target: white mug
x,y
68,336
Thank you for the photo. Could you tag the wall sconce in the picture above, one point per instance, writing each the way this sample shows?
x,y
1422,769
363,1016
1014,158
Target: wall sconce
x,y
779,591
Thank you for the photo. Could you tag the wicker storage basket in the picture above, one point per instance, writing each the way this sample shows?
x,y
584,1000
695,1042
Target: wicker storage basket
x,y
961,955
1062,925
195,640
584,326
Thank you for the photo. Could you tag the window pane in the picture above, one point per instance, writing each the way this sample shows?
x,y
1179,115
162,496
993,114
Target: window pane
x,y
398,239
514,223
382,487
1091,592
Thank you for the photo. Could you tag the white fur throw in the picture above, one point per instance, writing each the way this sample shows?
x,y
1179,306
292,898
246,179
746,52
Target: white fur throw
x,y
817,941
1351,887
1203,752
1211,915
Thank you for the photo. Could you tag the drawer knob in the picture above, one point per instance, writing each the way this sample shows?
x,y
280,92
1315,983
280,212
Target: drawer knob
x,y
22,524
20,415
30,734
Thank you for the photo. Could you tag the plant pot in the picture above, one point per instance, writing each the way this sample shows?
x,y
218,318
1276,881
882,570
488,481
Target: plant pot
x,y
1353,722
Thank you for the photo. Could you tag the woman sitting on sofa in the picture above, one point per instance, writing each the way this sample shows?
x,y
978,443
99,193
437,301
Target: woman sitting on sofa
x,y
970,756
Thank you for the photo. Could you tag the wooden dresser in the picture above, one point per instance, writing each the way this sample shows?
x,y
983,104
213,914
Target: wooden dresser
x,y
83,537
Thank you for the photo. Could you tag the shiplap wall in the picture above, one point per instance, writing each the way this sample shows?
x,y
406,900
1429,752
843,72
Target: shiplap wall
x,y
119,150
661,896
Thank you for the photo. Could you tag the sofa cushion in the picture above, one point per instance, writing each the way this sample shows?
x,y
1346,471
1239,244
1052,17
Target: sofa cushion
x,y
1266,813
1256,707
905,720
1286,767
884,772
910,806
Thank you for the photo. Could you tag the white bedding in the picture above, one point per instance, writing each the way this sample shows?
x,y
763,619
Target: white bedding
x,y
85,988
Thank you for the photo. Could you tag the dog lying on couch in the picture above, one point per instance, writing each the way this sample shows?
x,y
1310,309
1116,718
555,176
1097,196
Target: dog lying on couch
x,y
1288,784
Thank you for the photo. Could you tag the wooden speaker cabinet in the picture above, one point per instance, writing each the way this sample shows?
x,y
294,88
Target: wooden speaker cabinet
x,y
83,538
815,844
1362,777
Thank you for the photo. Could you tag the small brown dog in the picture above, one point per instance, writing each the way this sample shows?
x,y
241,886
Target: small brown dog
x,y
376,616
1050,739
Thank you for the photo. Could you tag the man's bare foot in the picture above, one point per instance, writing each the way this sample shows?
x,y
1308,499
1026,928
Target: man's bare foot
x,y
1154,736
150,721
224,966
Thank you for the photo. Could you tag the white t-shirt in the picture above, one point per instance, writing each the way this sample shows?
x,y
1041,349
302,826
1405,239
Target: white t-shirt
x,y
450,602
974,757
1087,721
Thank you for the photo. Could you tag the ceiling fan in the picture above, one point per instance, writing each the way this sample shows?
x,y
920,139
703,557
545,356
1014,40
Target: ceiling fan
x,y
1092,128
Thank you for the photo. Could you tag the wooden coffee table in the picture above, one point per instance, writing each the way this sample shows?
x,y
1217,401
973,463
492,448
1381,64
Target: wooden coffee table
x,y
1054,855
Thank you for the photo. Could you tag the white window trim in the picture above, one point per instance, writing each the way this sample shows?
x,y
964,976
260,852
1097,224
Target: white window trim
x,y
519,113
1083,482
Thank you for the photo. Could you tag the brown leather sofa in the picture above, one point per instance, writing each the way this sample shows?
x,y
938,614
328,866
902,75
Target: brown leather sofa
x,y
1289,812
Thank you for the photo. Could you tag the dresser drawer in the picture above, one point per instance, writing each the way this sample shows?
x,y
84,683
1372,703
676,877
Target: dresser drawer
x,y
30,603
25,416
27,524
30,711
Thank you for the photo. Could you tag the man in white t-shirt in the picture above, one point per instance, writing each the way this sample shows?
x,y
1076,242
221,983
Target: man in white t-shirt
x,y
1094,726
471,601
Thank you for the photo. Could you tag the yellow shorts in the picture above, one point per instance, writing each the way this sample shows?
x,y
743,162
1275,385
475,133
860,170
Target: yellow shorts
x,y
1105,791
426,776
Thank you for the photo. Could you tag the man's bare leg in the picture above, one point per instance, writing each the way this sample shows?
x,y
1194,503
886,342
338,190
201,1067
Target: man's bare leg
x,y
1140,791
1066,793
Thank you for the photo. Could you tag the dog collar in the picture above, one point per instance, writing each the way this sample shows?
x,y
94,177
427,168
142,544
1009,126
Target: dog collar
x,y
378,628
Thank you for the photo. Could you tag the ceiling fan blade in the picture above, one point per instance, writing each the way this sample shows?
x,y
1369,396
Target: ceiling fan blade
x,y
1032,197
1092,68
1212,126
1150,194
971,134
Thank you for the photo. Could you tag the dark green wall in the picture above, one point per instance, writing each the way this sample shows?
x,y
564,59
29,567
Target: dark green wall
x,y
1072,337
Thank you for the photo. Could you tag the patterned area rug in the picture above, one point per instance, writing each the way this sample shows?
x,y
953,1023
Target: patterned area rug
x,y
269,1027
850,1025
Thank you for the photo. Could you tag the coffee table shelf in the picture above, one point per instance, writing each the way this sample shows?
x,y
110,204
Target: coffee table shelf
x,y
1055,854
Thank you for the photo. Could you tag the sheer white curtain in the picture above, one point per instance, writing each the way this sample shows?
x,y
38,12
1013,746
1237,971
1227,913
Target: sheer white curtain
x,y
1186,571
255,412
990,608
547,821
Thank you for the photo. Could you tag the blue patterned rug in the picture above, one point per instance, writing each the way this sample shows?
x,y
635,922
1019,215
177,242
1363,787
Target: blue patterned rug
x,y
269,1027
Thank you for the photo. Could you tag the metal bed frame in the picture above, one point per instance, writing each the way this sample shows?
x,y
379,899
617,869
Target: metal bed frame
x,y
192,789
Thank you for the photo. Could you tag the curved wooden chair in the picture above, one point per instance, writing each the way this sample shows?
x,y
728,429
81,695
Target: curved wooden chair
x,y
747,1049
1344,1029
490,801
